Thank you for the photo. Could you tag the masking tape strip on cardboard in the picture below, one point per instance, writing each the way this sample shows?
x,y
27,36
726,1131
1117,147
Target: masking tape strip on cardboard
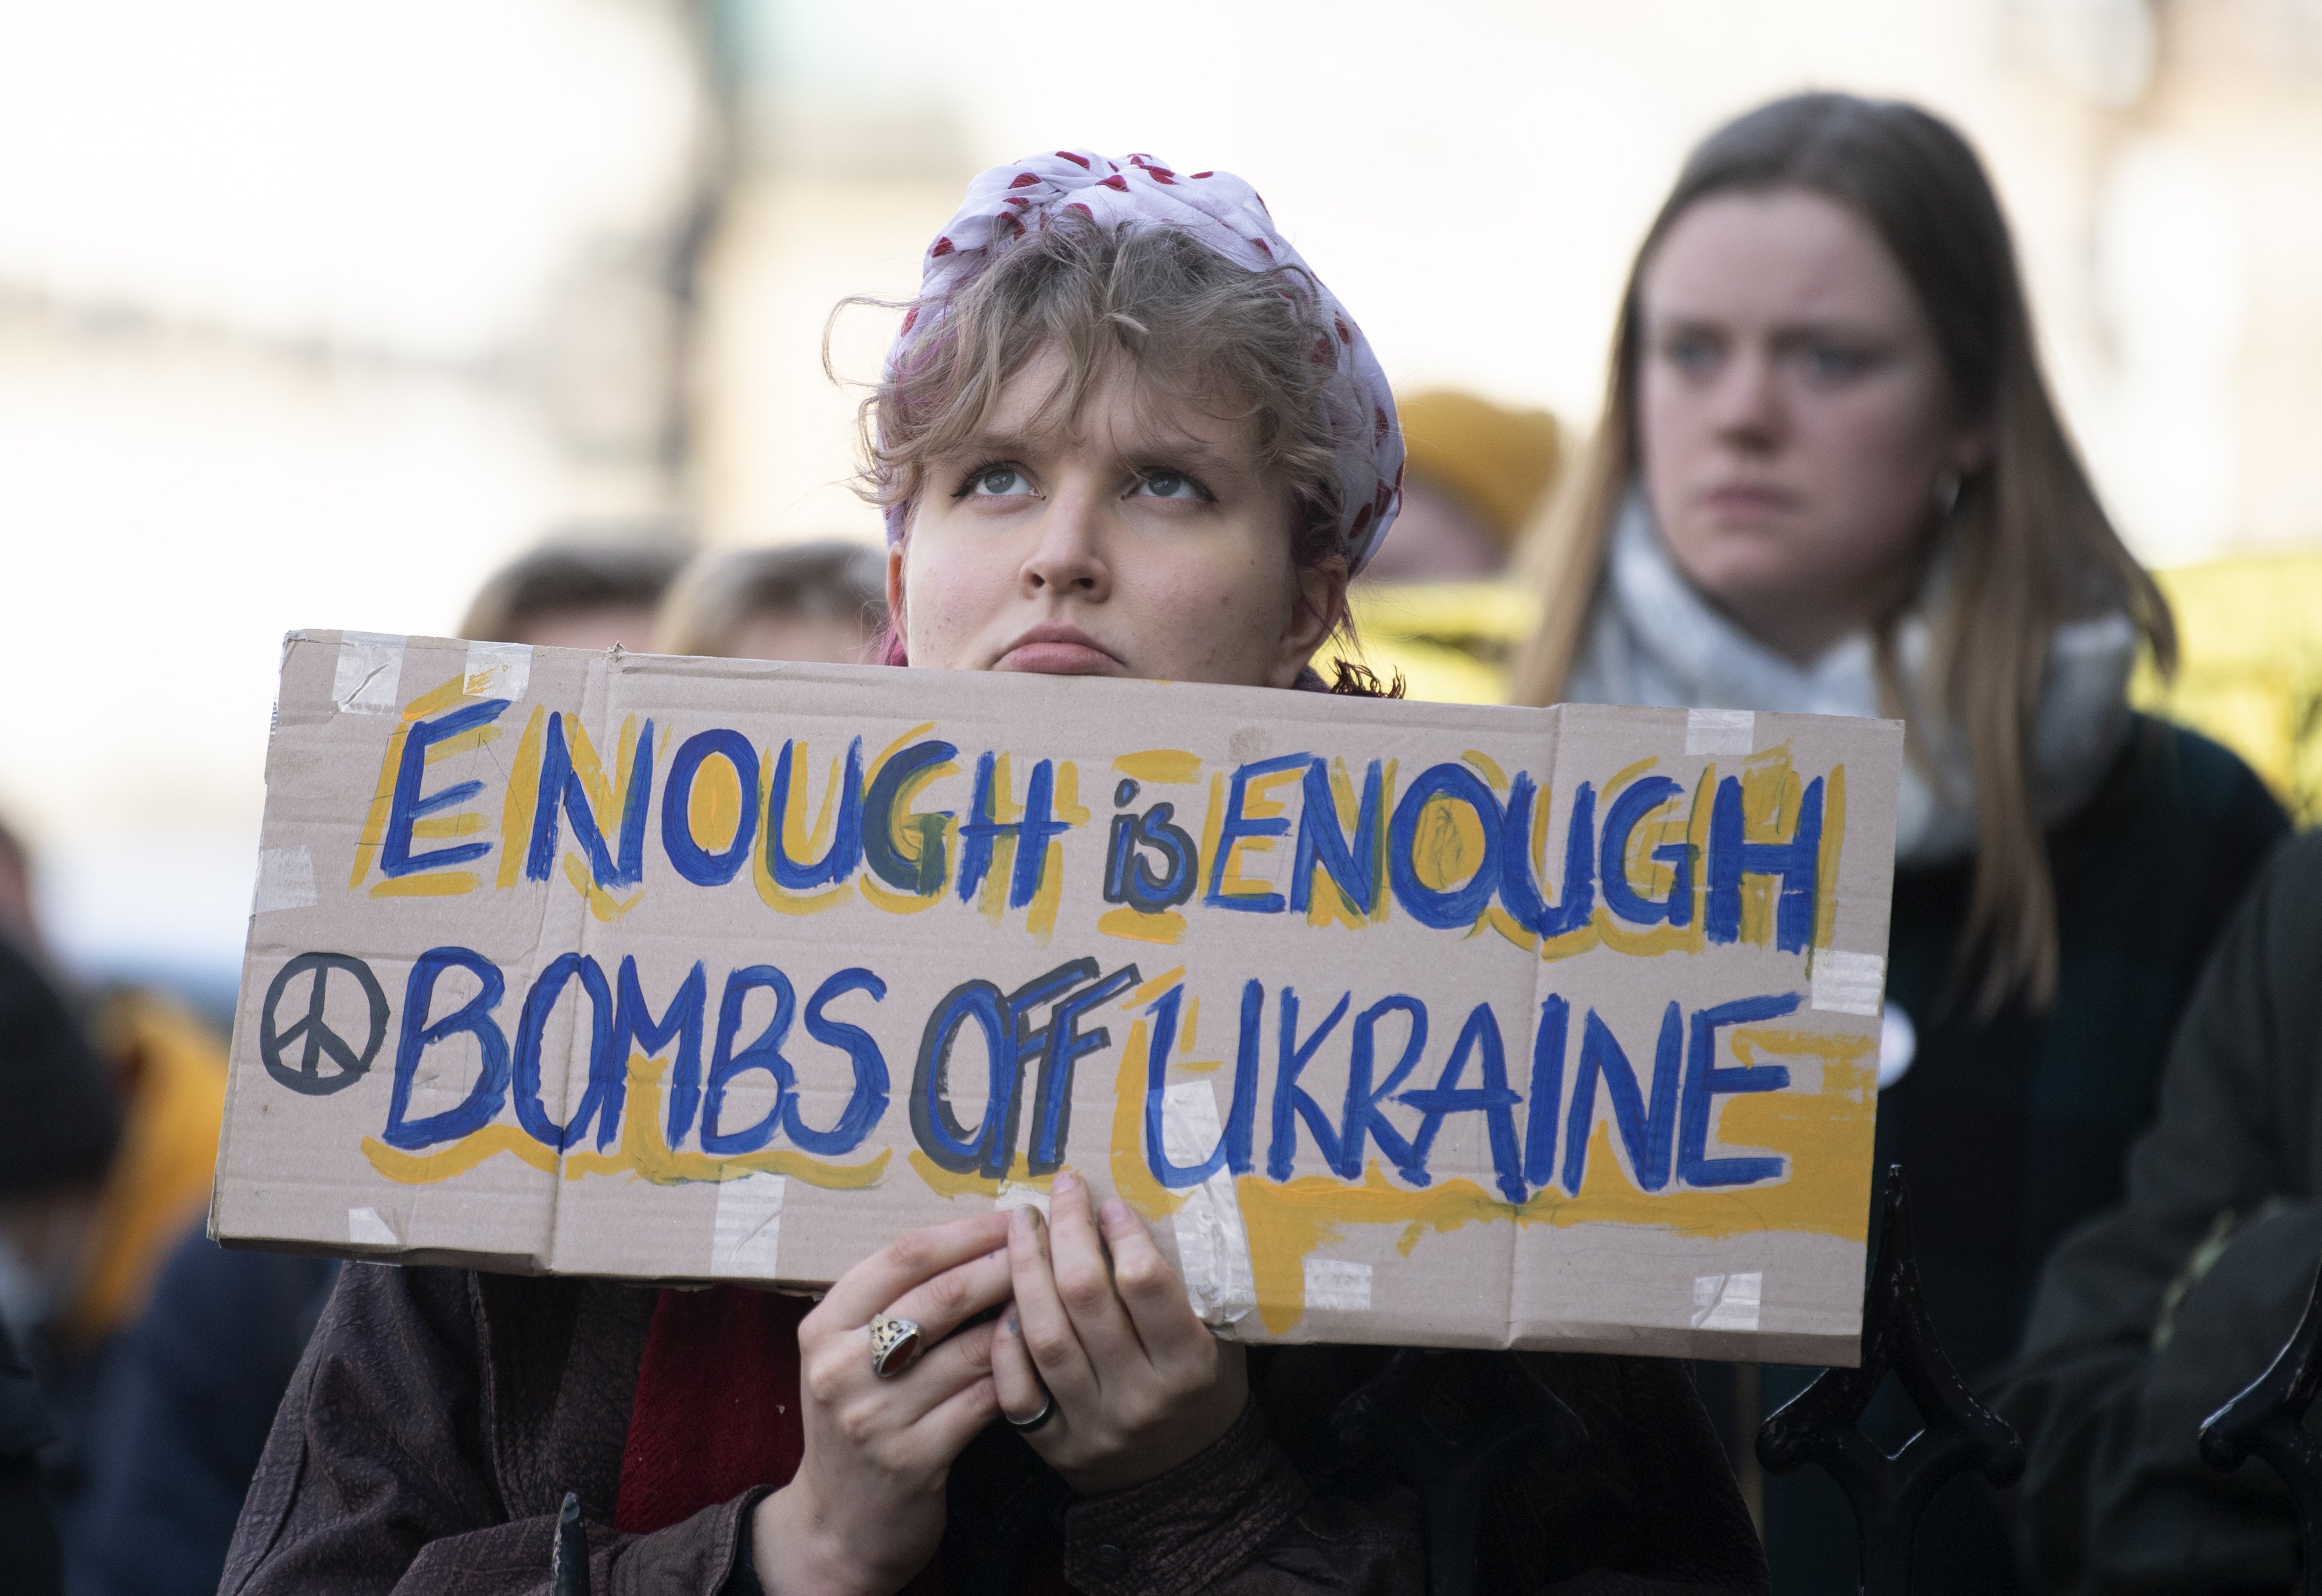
x,y
1335,1283
499,669
1212,1248
1727,1302
1849,983
1720,731
286,880
746,1237
369,675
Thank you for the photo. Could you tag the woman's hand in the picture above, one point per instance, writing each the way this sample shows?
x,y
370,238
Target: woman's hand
x,y
865,1510
1140,1385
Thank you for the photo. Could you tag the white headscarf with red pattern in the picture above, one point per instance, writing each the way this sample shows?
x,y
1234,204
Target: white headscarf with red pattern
x,y
1226,214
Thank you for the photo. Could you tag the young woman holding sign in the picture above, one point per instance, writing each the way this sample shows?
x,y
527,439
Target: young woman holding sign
x,y
1124,432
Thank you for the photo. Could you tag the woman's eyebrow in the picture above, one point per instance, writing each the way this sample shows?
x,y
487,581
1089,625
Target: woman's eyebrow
x,y
995,445
1817,329
1178,452
1680,323
1786,331
1175,451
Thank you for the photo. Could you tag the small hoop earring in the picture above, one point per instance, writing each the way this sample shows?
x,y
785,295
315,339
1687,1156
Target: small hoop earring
x,y
1948,488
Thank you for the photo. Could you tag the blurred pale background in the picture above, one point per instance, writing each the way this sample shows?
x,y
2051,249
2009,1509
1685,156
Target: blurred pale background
x,y
310,315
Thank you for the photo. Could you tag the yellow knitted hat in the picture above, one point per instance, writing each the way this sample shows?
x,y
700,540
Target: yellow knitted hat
x,y
1498,463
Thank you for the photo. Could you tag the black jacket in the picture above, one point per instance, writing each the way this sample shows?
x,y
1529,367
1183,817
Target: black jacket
x,y
439,1417
28,1534
2014,1127
182,1415
2150,1318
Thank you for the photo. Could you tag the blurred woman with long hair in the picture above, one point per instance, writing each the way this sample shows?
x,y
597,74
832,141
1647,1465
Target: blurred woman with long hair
x,y
1830,477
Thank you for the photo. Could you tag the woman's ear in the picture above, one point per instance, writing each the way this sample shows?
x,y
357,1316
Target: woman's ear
x,y
1971,450
895,588
1316,608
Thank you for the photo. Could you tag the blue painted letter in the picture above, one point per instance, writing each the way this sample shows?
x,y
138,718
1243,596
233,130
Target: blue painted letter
x,y
1644,1132
394,855
474,1018
1640,799
1518,888
1796,864
1448,907
868,1101
1351,863
1233,1149
845,850
764,1053
636,1028
1703,1081
607,1078
1495,1100
693,861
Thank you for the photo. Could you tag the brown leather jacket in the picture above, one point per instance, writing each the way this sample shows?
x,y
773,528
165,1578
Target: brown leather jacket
x,y
439,1417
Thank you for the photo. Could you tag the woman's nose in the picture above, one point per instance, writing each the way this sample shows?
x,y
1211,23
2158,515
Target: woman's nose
x,y
1747,403
1068,556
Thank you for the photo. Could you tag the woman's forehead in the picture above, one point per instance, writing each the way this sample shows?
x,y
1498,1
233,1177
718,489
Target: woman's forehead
x,y
1121,409
1784,254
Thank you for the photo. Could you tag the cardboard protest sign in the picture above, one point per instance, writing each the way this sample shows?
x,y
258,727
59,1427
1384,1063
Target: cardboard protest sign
x,y
1406,1023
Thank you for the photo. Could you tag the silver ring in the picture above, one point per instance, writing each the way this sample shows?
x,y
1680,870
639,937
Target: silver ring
x,y
1025,1426
895,1344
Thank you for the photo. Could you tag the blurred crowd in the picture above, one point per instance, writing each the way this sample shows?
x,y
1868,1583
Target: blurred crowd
x,y
144,1361
1828,477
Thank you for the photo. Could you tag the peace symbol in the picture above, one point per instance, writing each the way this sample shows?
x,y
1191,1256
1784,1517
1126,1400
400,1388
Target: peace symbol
x,y
305,1075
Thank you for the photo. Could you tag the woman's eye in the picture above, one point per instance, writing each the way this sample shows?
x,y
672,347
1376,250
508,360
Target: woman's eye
x,y
1170,485
1693,356
998,482
1835,361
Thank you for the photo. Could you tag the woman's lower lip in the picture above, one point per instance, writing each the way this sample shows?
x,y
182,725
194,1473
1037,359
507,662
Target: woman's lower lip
x,y
1748,501
1057,659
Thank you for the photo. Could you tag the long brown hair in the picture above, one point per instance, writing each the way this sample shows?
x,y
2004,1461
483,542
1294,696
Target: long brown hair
x,y
2036,549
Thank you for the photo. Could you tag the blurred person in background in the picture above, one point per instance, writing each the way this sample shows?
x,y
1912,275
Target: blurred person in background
x,y
28,1528
172,1434
1476,474
820,602
579,588
2153,1316
19,920
1830,479
182,1415
95,1250
61,1134
59,1130
79,1256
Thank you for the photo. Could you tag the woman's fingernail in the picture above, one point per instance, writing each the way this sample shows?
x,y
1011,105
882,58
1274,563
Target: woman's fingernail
x,y
1066,1184
1116,1212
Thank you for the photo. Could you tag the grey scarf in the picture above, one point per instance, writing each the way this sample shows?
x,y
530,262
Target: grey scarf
x,y
1653,639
